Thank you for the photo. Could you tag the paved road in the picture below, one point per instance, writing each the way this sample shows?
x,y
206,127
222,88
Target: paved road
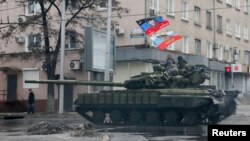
x,y
14,130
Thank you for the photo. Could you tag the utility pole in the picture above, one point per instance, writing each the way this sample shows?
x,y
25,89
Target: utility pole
x,y
107,53
61,97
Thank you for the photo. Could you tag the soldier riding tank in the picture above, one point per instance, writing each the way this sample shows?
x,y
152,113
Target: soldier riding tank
x,y
172,94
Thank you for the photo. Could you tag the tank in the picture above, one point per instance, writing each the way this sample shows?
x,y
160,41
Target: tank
x,y
172,94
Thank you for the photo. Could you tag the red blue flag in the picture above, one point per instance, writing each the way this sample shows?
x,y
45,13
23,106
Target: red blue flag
x,y
152,25
164,40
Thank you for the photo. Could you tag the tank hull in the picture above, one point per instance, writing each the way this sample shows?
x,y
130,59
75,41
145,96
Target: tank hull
x,y
162,106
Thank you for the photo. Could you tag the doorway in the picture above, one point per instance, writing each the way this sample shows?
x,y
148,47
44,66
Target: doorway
x,y
11,87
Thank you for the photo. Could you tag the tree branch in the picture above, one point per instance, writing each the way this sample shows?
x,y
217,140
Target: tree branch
x,y
57,8
80,9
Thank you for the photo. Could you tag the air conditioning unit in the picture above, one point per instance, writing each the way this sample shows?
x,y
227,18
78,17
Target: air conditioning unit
x,y
119,30
74,64
237,51
43,66
19,39
22,19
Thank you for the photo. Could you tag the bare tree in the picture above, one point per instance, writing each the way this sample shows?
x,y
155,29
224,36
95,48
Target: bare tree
x,y
79,10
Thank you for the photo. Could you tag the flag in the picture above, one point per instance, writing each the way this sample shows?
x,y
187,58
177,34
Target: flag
x,y
152,24
164,40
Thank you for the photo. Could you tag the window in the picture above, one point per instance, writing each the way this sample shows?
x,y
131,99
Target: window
x,y
215,51
237,30
171,47
229,28
246,33
197,16
229,2
197,43
155,5
209,50
209,20
73,5
170,6
221,50
219,23
70,40
246,57
245,7
34,42
32,8
185,46
184,9
227,54
237,4
103,5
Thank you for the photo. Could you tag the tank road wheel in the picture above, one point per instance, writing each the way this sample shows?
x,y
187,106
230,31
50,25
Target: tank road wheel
x,y
134,116
171,117
190,118
151,117
98,116
116,116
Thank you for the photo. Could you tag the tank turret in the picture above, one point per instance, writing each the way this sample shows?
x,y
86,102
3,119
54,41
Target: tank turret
x,y
170,75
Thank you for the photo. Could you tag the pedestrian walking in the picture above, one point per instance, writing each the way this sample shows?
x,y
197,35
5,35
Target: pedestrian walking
x,y
31,102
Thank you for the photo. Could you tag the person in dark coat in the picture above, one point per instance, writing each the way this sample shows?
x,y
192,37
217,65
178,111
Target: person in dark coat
x,y
31,102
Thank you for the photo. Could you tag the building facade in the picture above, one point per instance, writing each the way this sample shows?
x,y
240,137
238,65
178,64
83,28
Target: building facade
x,y
214,33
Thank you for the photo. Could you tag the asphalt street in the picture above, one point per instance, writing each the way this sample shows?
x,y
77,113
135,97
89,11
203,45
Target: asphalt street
x,y
14,130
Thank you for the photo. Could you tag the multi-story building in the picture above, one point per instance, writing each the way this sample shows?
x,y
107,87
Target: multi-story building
x,y
214,33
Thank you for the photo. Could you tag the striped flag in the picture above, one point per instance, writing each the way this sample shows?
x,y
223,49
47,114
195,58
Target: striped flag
x,y
164,40
152,25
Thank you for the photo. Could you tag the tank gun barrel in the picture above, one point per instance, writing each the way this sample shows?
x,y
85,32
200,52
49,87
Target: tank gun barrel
x,y
77,82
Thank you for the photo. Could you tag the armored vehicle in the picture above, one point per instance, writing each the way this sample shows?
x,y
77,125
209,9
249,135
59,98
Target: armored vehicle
x,y
171,95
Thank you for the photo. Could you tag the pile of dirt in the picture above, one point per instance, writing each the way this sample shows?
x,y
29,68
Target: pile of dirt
x,y
46,128
83,130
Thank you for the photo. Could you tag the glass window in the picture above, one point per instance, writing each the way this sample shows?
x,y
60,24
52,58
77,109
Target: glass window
x,y
70,40
184,9
209,49
245,7
227,54
34,42
246,57
229,2
221,50
197,16
32,8
238,30
237,4
219,23
246,33
170,6
209,19
155,5
229,28
185,46
197,46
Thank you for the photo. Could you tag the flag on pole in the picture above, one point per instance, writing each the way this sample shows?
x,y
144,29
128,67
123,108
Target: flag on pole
x,y
152,24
